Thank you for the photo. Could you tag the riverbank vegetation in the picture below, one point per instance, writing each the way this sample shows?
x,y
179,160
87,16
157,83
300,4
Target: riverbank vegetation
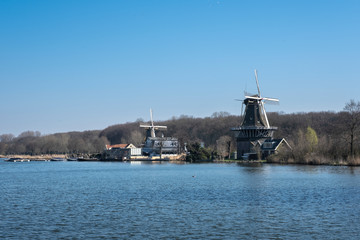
x,y
32,143
320,138
315,137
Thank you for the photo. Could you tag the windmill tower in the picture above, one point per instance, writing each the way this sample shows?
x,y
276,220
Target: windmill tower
x,y
254,128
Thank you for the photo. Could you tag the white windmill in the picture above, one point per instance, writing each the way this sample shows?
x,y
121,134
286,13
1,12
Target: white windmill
x,y
151,128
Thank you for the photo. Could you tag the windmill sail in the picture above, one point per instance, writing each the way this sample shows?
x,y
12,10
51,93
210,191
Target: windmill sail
x,y
151,128
255,113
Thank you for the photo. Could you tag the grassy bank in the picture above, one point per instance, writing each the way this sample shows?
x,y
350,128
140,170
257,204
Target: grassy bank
x,y
355,161
45,156
314,159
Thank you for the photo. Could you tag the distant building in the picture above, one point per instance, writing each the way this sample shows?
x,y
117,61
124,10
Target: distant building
x,y
159,146
154,147
121,152
118,146
273,146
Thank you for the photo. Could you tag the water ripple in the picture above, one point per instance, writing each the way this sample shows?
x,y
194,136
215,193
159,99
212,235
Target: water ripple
x,y
71,200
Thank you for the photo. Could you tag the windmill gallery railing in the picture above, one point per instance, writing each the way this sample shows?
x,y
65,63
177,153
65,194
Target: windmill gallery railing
x,y
253,133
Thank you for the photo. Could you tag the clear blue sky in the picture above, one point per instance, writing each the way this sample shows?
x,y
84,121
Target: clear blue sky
x,y
84,65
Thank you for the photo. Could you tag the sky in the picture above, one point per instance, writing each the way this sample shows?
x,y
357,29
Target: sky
x,y
88,64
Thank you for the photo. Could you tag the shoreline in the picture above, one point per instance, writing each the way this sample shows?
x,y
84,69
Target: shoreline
x,y
35,157
334,163
47,157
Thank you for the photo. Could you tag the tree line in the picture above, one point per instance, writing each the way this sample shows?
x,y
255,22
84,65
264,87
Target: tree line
x,y
321,137
315,137
32,143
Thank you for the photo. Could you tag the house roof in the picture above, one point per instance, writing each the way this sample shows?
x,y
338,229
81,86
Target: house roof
x,y
123,145
274,144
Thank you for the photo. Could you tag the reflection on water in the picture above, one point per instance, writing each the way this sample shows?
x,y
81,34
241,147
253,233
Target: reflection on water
x,y
252,167
81,200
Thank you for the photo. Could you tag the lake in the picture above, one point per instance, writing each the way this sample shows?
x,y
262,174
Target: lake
x,y
117,200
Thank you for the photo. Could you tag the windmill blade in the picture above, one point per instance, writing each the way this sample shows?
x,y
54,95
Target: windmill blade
x,y
152,124
159,127
145,126
151,118
271,99
251,97
264,113
257,83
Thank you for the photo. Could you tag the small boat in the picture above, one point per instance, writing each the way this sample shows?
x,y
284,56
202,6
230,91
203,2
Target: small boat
x,y
17,160
71,159
58,159
39,160
88,159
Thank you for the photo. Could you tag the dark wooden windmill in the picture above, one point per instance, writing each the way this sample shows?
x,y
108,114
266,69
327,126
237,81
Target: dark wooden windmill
x,y
254,128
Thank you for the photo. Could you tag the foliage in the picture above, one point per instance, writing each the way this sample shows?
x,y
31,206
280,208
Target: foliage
x,y
352,123
311,139
198,153
32,143
331,137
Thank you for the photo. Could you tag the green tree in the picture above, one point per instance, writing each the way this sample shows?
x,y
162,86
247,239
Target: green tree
x,y
198,153
311,138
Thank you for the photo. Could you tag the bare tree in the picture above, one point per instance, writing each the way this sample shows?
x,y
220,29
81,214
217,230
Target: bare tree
x,y
27,134
6,137
136,138
223,145
352,123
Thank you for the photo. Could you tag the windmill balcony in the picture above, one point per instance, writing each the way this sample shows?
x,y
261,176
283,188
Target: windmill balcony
x,y
252,127
252,133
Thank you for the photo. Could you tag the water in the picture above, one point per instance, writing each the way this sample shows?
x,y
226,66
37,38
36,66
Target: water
x,y
95,200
